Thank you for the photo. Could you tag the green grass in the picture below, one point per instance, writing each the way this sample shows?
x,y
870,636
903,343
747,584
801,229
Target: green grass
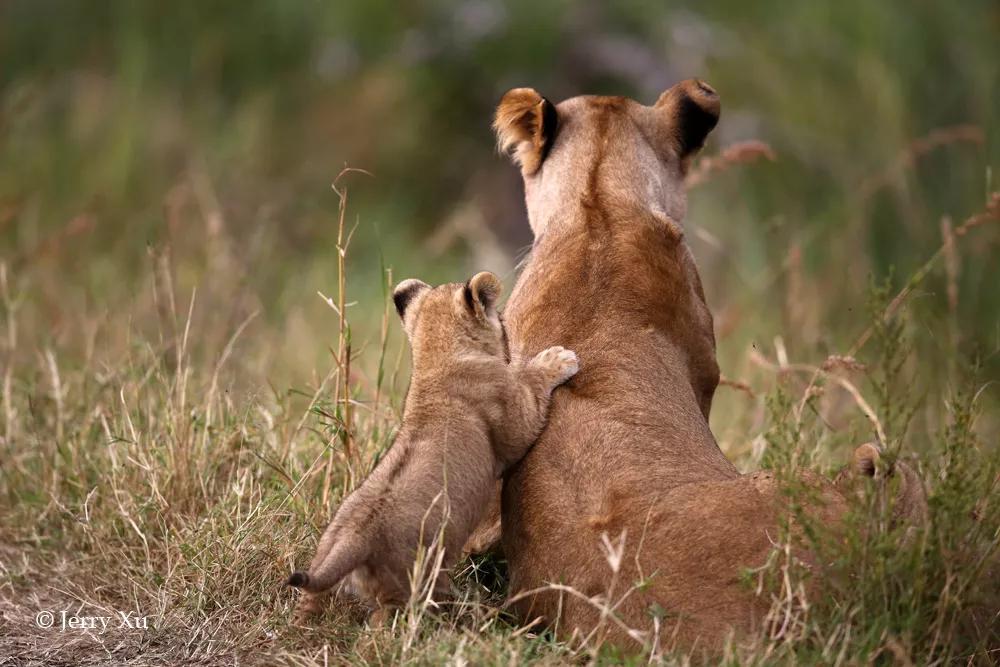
x,y
146,475
176,426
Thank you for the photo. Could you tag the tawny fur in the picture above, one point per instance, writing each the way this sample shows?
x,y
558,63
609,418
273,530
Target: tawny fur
x,y
468,416
520,126
628,450
898,478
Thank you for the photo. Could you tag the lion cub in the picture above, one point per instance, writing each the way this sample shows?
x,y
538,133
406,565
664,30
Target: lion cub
x,y
469,415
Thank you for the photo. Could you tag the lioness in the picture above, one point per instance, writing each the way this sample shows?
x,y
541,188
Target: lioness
x,y
627,452
468,416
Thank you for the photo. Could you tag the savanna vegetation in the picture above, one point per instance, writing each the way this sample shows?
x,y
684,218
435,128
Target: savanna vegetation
x,y
199,357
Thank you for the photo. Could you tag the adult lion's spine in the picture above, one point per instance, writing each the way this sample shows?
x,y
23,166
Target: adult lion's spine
x,y
343,558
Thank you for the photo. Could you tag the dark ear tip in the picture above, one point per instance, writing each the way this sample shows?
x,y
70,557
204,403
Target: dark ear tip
x,y
468,296
692,107
484,288
486,285
525,125
399,300
692,92
299,579
404,293
866,457
703,95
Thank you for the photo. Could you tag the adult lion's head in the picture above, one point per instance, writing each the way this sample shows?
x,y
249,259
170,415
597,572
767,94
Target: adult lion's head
x,y
610,147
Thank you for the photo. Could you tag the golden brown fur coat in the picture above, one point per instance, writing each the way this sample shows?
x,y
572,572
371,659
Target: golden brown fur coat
x,y
469,415
627,454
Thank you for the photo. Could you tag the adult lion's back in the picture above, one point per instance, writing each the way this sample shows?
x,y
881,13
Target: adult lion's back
x,y
625,517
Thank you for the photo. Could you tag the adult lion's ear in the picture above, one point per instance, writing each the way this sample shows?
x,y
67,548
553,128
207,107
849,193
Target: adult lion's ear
x,y
525,124
405,294
482,293
692,109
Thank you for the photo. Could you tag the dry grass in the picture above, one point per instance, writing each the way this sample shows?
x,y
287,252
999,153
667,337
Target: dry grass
x,y
143,471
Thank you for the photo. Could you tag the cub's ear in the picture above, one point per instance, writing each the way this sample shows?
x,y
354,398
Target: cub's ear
x,y
405,294
867,460
482,293
525,124
692,109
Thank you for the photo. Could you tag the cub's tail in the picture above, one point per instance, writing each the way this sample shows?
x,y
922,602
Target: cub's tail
x,y
344,557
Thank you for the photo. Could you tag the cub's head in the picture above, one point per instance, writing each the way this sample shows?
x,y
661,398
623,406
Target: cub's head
x,y
609,151
455,318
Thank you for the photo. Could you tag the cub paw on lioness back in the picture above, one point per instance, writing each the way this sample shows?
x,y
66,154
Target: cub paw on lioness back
x,y
559,362
470,414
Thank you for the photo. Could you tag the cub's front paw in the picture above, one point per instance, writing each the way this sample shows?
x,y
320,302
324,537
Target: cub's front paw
x,y
559,362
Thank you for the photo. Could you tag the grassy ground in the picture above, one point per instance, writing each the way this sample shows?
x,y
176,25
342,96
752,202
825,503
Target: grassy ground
x,y
176,418
149,466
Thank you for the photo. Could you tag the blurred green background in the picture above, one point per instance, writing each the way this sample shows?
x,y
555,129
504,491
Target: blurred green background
x,y
202,138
